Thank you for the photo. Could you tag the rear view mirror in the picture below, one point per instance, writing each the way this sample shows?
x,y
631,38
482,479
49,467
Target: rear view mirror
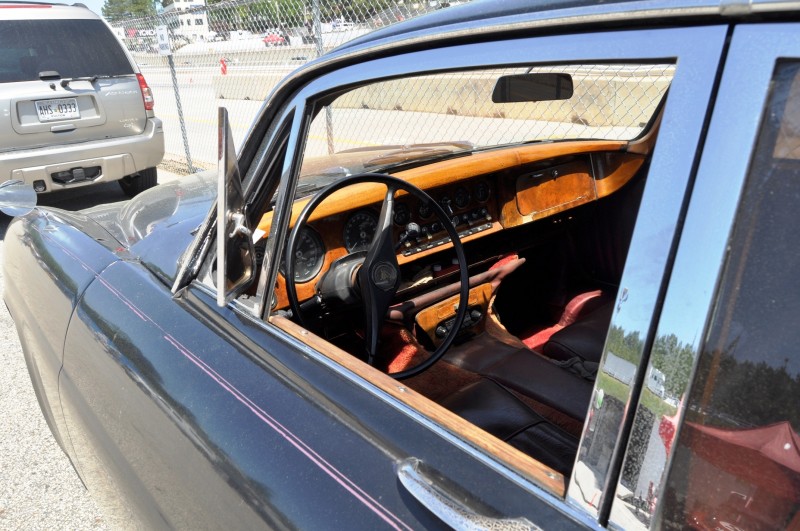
x,y
235,251
532,87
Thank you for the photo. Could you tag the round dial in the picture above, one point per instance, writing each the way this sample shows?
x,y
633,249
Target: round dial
x,y
482,191
309,255
461,197
425,211
402,215
359,230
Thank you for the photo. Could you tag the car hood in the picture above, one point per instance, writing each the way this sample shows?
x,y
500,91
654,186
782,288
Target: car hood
x,y
157,226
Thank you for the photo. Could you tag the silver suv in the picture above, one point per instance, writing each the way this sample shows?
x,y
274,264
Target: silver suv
x,y
74,108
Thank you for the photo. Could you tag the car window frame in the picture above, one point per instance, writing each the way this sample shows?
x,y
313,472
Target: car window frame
x,y
607,46
694,284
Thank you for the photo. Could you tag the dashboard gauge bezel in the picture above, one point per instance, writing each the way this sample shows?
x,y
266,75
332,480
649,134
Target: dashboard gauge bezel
x,y
307,234
360,243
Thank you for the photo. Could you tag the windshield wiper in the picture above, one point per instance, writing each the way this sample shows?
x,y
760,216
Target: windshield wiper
x,y
91,79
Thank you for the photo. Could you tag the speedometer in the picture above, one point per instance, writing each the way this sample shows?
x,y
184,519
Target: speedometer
x,y
309,254
359,230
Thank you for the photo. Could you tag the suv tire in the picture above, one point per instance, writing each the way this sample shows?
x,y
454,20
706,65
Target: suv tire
x,y
135,184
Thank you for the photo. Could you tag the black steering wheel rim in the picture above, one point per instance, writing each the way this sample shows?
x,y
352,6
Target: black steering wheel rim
x,y
393,184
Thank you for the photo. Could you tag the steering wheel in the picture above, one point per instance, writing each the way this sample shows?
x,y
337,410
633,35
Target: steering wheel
x,y
372,278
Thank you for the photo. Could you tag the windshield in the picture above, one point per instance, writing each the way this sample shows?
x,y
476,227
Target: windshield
x,y
413,120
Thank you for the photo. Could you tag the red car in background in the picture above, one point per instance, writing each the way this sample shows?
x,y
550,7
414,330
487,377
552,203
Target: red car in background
x,y
275,38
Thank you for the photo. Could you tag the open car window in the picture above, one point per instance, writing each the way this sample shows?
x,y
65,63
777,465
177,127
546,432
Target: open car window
x,y
458,240
472,178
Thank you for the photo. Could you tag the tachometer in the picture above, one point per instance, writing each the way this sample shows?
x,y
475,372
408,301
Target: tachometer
x,y
359,230
309,255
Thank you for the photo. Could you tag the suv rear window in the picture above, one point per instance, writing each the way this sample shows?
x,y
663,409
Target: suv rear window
x,y
73,48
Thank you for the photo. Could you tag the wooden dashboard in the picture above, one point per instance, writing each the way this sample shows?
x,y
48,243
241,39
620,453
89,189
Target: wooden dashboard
x,y
484,193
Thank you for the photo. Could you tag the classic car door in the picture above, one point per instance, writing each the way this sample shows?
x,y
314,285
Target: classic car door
x,y
189,415
717,443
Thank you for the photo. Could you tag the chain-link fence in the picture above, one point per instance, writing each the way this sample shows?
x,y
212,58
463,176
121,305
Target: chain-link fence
x,y
602,101
430,115
233,53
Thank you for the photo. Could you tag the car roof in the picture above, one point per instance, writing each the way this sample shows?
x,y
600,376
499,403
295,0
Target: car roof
x,y
487,18
504,15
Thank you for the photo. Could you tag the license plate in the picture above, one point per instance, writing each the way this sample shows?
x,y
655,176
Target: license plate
x,y
60,109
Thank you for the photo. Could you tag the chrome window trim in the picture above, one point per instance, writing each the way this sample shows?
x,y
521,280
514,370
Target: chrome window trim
x,y
698,51
698,48
197,255
720,180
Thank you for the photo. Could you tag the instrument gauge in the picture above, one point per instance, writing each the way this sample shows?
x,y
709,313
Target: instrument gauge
x,y
309,254
402,215
482,191
425,211
461,197
359,230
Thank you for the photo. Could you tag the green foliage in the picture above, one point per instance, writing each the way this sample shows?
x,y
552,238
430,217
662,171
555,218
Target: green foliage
x,y
745,392
726,390
626,346
669,355
352,10
675,359
115,10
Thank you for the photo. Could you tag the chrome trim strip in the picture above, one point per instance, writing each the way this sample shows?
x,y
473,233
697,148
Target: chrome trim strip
x,y
726,158
698,51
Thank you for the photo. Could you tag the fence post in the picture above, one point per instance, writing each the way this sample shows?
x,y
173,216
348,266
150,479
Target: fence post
x,y
180,113
315,13
165,48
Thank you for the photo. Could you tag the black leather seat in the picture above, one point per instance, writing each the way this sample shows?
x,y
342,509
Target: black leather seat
x,y
494,408
582,339
536,377
562,381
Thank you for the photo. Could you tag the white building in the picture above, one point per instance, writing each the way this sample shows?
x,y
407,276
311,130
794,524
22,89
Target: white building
x,y
192,19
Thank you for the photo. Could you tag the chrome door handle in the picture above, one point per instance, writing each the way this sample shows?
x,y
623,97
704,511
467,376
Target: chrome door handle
x,y
451,510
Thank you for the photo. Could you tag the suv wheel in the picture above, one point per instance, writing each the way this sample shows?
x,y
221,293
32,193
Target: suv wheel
x,y
135,184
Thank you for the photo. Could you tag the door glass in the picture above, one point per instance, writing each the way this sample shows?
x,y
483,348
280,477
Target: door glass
x,y
736,462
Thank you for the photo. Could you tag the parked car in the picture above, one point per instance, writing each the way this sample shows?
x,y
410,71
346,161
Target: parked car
x,y
275,37
77,109
430,289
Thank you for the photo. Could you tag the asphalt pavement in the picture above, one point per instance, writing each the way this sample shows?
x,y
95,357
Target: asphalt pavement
x,y
39,489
